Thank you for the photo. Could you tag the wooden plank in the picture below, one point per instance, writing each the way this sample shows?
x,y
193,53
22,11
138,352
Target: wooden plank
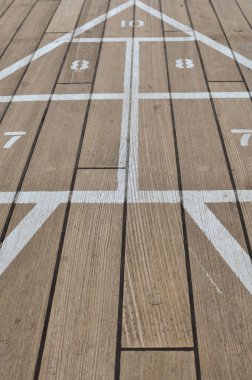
x,y
26,117
218,67
73,73
103,130
4,6
237,30
25,299
149,76
102,137
156,163
157,365
246,8
156,305
183,78
114,25
66,17
217,291
176,10
12,19
236,114
81,338
152,25
24,44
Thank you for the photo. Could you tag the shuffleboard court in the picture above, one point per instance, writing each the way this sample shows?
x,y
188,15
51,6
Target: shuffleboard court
x,y
126,189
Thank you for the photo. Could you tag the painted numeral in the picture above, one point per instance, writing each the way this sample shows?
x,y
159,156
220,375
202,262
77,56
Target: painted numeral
x,y
15,136
184,63
246,134
80,65
132,23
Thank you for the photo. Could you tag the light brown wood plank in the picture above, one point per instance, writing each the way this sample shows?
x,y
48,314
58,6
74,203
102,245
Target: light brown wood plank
x,y
177,11
184,79
4,6
157,163
26,117
152,25
237,30
217,66
203,167
152,75
80,52
236,114
246,8
81,338
66,16
25,299
157,365
156,305
102,136
24,43
12,19
222,305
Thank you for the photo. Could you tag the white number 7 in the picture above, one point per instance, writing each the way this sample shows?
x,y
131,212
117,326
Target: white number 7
x,y
15,136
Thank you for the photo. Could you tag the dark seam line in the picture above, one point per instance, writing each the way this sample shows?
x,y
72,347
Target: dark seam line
x,y
2,14
63,234
230,47
19,27
118,352
229,167
10,213
243,13
159,349
184,227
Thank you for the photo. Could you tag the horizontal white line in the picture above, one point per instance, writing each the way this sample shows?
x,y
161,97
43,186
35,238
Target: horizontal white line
x,y
59,97
137,39
117,96
169,196
196,95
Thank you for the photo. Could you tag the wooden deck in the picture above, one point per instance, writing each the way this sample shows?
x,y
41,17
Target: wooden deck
x,y
126,189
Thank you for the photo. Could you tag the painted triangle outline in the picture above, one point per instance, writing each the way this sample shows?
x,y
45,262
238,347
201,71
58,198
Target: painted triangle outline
x,y
118,9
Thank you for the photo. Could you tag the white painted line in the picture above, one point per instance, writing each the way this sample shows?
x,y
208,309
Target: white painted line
x,y
231,252
195,95
59,97
166,196
61,40
133,148
126,107
137,39
199,36
23,233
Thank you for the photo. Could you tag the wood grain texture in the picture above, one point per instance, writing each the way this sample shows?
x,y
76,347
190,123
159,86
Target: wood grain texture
x,y
12,20
81,338
157,163
66,16
24,43
26,300
158,366
156,306
237,30
217,66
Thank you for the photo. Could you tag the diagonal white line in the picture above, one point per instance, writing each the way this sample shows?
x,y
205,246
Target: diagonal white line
x,y
199,36
65,38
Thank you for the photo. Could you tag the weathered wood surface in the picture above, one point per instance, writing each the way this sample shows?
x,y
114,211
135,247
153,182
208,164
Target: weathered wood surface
x,y
113,265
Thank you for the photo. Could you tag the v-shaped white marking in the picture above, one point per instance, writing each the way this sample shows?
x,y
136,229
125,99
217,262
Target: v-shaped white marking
x,y
120,8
